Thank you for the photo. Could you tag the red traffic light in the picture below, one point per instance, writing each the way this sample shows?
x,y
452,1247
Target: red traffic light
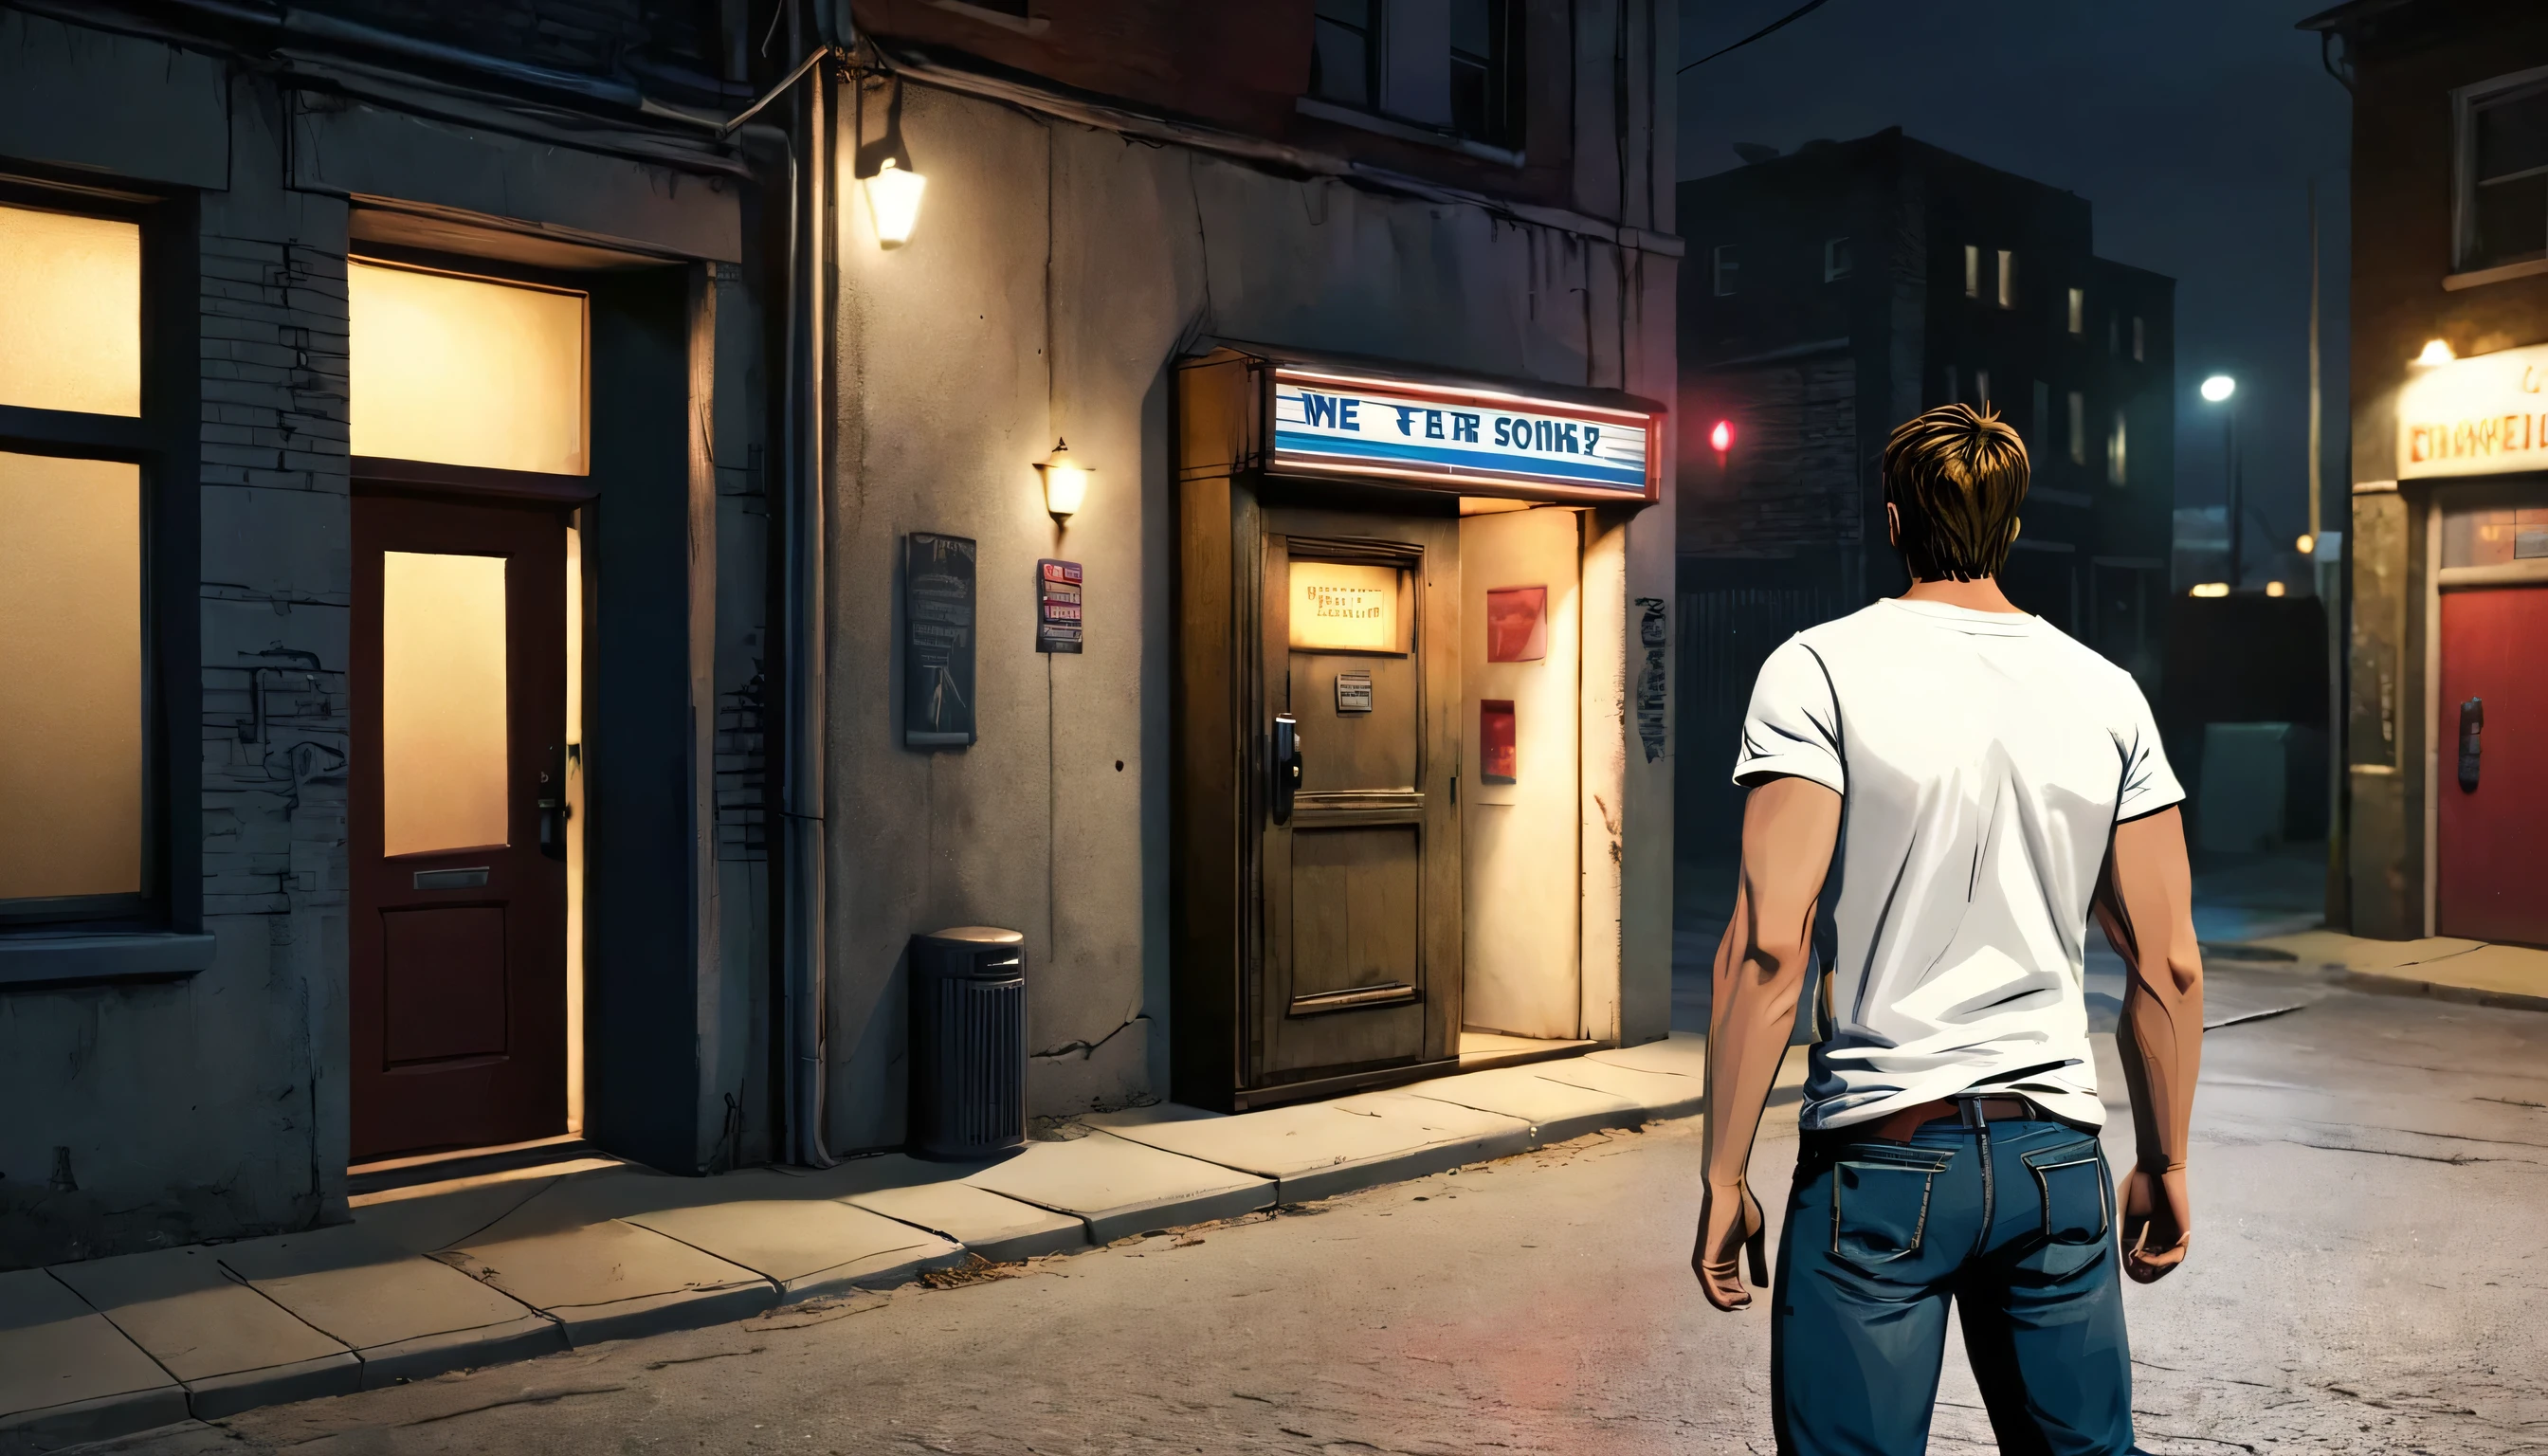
x,y
1722,438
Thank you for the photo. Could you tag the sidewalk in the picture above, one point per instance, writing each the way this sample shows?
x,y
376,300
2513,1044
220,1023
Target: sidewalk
x,y
2447,969
510,1265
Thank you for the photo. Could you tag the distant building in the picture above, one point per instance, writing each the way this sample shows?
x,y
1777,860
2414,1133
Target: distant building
x,y
2446,702
1836,292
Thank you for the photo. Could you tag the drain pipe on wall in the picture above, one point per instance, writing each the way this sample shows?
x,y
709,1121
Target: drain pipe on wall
x,y
804,676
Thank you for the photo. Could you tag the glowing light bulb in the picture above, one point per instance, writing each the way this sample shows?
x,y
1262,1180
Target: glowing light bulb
x,y
1721,438
893,199
1065,483
2435,352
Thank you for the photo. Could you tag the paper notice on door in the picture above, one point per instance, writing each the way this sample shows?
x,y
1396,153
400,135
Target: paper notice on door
x,y
1337,608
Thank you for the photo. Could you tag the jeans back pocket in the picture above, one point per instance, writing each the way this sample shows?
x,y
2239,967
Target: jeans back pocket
x,y
2077,1202
1880,1196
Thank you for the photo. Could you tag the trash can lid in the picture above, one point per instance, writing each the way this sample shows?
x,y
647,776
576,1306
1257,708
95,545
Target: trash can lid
x,y
978,935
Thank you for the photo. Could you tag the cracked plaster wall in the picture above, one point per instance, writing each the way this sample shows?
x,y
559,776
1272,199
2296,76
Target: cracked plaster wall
x,y
1057,274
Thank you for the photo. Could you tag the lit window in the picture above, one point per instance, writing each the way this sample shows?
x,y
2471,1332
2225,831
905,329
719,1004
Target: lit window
x,y
1981,386
72,287
1836,259
2139,338
1723,265
2078,428
2007,279
2503,161
2117,472
466,371
1972,271
2079,310
74,836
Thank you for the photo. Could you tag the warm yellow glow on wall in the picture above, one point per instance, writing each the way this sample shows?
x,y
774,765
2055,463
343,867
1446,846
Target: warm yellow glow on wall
x,y
71,293
465,371
443,740
71,677
1345,608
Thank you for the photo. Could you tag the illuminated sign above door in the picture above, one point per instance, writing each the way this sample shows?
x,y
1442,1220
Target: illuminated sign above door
x,y
2485,414
1474,441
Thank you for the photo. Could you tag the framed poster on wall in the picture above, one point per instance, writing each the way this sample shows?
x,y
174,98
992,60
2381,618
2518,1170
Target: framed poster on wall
x,y
937,615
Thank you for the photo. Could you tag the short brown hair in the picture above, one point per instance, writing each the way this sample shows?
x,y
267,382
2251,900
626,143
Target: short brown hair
x,y
1954,476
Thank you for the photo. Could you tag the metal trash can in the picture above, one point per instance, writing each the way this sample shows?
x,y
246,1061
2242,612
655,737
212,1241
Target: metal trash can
x,y
968,1043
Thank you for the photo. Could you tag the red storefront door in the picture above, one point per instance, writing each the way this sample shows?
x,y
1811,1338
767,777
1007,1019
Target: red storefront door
x,y
2492,732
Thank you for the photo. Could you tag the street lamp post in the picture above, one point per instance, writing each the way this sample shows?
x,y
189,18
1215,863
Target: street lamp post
x,y
2221,389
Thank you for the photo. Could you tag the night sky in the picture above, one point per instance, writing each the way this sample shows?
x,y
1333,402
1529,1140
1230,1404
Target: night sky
x,y
2193,126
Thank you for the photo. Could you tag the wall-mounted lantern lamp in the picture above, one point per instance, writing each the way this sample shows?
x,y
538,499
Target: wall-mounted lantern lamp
x,y
883,165
1066,481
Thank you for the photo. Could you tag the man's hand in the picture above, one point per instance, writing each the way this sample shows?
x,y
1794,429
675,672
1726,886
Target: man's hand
x,y
2158,1223
1726,1219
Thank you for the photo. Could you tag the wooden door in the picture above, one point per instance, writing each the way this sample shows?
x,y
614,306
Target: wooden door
x,y
1360,965
2492,729
458,846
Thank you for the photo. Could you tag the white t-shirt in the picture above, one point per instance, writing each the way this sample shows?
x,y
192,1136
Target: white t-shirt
x,y
1983,759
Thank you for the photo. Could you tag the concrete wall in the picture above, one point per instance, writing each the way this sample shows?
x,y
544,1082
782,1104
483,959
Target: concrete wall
x,y
216,1105
149,1113
1057,275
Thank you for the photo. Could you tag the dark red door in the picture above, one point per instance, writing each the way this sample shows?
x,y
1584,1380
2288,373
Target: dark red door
x,y
2492,732
459,871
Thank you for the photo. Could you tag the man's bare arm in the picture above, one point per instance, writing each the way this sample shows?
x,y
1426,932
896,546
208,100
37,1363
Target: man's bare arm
x,y
2145,903
1789,826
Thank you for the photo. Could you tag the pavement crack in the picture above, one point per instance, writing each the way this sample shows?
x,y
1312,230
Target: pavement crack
x,y
527,1398
2455,1159
2243,1019
701,1359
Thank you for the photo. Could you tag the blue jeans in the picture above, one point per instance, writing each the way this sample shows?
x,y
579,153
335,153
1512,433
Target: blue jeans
x,y
2014,1222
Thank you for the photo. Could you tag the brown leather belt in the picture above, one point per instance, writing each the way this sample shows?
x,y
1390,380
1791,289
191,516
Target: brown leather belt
x,y
1899,1127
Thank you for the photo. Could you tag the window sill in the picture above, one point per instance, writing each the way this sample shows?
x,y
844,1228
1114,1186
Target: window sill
x,y
1346,116
2528,269
30,962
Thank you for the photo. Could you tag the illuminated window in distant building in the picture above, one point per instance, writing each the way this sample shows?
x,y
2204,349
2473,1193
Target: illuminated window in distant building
x,y
2079,310
2140,339
2117,472
1981,386
1972,271
2078,428
2503,206
2007,279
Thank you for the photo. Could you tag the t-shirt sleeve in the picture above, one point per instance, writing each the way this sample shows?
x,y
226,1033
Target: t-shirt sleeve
x,y
2149,785
1793,723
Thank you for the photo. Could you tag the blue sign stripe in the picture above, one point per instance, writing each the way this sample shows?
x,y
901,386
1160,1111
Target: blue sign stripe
x,y
1628,477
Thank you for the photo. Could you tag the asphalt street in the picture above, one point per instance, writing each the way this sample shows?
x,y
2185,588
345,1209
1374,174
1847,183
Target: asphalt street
x,y
2367,1277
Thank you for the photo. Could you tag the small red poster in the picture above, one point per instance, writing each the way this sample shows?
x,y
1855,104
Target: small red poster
x,y
1499,759
1517,624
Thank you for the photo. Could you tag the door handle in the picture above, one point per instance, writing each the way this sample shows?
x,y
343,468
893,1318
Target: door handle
x,y
2472,728
1285,762
554,809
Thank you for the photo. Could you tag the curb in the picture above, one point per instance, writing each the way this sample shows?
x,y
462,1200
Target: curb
x,y
2375,984
542,1332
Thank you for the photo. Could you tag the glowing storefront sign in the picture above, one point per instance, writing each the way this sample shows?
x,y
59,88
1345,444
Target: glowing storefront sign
x,y
1476,441
2486,415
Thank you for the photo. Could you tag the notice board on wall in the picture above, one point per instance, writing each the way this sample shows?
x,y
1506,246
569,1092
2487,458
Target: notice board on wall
x,y
937,614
